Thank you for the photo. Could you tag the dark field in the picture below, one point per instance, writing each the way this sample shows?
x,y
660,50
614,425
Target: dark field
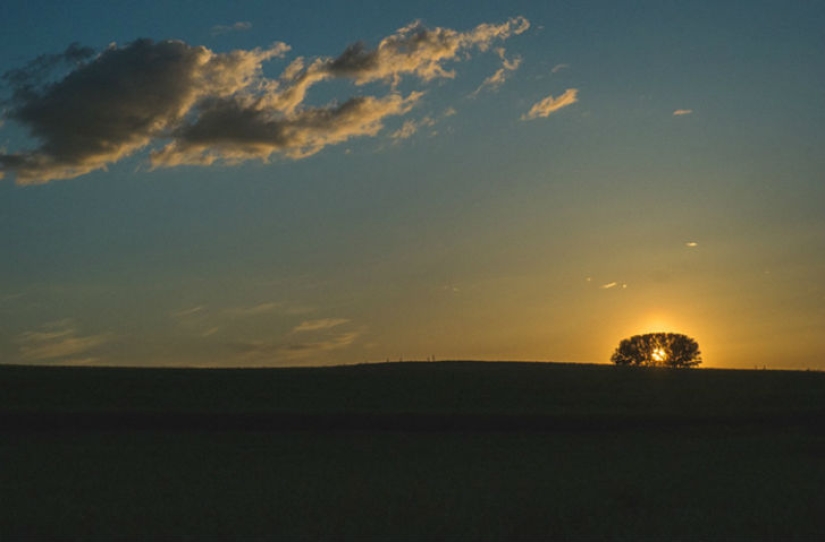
x,y
481,450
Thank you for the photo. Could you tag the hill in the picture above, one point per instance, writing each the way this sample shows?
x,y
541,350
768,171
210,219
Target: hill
x,y
441,395
427,450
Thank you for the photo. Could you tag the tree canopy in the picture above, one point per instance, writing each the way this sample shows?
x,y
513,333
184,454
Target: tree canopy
x,y
658,349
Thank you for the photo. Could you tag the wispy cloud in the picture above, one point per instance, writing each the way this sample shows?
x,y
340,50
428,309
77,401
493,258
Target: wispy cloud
x,y
547,106
192,106
317,325
254,310
691,244
500,76
197,320
59,342
258,352
240,26
185,313
682,112
410,127
333,342
559,67
611,285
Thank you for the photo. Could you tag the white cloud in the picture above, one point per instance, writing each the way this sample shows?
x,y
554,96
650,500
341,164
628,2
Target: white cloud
x,y
559,67
682,112
549,105
691,244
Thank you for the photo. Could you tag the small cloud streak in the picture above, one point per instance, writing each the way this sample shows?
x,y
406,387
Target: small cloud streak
x,y
682,112
59,342
318,325
255,310
266,352
691,244
240,26
609,285
192,106
185,313
559,67
549,105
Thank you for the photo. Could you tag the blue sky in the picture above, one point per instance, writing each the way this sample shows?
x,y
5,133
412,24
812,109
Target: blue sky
x,y
543,181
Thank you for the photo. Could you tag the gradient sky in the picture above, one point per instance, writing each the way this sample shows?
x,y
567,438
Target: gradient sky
x,y
243,184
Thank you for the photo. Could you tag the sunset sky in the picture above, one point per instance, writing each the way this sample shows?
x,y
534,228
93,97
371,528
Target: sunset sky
x,y
257,183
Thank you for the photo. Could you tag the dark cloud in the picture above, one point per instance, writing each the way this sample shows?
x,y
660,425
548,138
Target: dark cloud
x,y
23,80
354,60
232,131
195,106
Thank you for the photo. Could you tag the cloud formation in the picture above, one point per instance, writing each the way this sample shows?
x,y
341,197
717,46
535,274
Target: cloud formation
x,y
59,342
318,325
290,348
547,106
410,127
681,112
192,106
500,76
240,26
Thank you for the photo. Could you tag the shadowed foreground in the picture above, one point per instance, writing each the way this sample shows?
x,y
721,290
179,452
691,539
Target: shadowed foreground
x,y
478,449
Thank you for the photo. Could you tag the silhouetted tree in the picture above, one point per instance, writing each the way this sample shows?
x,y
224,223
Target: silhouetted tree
x,y
658,349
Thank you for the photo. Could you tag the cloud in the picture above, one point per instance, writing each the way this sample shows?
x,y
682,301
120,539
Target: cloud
x,y
110,107
240,26
681,112
500,76
691,244
550,105
290,350
333,342
59,342
24,80
185,313
254,310
609,285
410,127
232,132
318,325
559,67
191,106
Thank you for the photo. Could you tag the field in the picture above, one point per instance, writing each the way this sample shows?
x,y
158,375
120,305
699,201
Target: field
x,y
478,450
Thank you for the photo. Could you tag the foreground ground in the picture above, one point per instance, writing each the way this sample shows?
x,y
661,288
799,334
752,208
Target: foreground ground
x,y
470,449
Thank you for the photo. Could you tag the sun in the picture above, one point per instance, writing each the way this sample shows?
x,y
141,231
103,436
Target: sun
x,y
659,355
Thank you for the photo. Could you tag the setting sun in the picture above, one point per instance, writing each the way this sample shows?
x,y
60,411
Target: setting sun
x,y
659,355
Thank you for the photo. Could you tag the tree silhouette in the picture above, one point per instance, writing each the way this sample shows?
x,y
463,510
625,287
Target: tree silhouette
x,y
658,349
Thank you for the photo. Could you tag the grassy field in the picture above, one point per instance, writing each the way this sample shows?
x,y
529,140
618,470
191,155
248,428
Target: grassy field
x,y
480,450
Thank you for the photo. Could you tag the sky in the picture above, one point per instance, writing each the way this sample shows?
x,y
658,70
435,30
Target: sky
x,y
239,184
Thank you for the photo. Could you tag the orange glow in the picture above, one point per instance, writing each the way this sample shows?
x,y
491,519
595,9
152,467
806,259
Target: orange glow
x,y
659,355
